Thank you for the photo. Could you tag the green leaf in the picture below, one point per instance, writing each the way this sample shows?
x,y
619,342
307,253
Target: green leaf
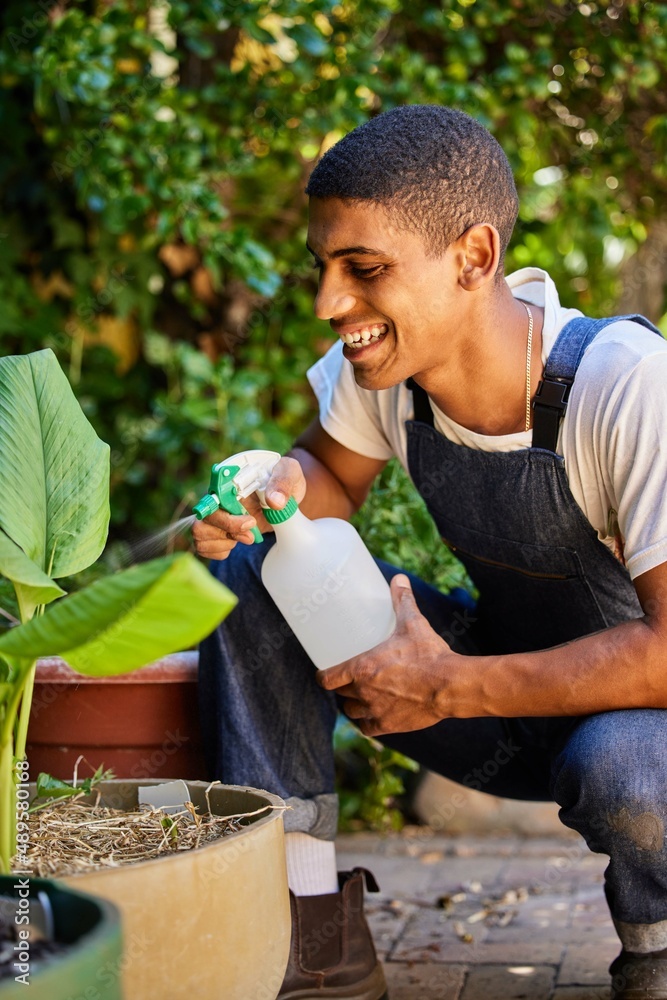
x,y
308,38
54,788
127,620
54,502
32,586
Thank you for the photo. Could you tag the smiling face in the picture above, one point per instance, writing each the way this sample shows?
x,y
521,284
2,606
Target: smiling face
x,y
398,311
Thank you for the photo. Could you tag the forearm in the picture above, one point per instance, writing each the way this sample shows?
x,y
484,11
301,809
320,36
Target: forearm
x,y
620,667
325,495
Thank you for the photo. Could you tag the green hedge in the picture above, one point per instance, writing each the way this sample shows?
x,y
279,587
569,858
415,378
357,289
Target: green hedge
x,y
152,189
152,219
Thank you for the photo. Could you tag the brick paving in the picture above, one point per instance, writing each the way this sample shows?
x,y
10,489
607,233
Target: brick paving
x,y
487,918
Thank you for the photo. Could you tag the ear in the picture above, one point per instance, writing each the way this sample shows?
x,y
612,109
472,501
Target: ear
x,y
478,251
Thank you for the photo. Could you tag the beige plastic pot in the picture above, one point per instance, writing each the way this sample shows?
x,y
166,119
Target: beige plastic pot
x,y
208,924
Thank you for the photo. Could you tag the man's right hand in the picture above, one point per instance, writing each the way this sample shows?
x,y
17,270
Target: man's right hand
x,y
217,534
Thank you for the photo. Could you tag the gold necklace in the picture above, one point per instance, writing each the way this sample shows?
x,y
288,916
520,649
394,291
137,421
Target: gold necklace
x,y
529,350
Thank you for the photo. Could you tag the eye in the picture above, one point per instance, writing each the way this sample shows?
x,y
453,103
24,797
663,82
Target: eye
x,y
366,272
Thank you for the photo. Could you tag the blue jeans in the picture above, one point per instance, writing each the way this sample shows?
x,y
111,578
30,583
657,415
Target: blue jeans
x,y
266,722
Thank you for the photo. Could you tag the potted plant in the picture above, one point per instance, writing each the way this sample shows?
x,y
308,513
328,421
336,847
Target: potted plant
x,y
84,952
140,725
54,511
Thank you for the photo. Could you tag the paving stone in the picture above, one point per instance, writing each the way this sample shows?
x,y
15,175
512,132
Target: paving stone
x,y
387,920
524,982
537,847
500,846
396,876
538,914
581,993
430,936
588,964
552,872
369,843
561,936
590,915
456,873
424,982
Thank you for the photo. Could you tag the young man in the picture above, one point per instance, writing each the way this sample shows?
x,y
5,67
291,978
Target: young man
x,y
553,497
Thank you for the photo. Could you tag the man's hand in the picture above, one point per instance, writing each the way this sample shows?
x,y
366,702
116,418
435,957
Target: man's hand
x,y
217,534
400,685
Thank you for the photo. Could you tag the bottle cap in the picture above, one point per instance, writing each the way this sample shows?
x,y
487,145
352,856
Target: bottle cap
x,y
278,516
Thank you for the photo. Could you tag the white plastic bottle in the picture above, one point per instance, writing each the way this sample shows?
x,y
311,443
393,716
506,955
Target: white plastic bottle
x,y
320,574
327,586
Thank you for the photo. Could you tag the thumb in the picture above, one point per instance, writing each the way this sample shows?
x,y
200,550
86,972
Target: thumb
x,y
403,598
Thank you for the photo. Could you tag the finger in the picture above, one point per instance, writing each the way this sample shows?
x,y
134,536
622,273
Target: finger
x,y
335,677
286,480
355,709
214,550
210,534
219,548
370,728
227,522
403,599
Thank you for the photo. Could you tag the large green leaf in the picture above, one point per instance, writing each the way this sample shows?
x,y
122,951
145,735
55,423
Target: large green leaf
x,y
54,501
124,621
32,586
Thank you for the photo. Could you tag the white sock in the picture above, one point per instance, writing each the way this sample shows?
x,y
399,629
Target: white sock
x,y
311,865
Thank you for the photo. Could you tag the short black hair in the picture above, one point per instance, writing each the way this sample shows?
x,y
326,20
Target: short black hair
x,y
436,168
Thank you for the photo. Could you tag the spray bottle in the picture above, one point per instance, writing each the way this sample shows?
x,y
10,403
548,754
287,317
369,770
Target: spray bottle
x,y
319,573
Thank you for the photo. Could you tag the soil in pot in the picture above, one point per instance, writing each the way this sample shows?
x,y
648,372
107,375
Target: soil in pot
x,y
72,836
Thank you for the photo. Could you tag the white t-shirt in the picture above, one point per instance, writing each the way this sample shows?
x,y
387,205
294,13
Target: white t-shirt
x,y
613,438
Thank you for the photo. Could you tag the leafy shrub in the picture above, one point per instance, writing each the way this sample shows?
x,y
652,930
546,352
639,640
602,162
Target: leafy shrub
x,y
153,216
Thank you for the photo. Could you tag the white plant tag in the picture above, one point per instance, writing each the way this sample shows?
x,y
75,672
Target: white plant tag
x,y
170,796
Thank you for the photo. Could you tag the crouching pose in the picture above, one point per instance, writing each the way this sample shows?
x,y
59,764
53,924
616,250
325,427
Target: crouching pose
x,y
536,437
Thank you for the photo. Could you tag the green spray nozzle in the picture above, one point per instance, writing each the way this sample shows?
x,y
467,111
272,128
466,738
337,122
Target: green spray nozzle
x,y
233,480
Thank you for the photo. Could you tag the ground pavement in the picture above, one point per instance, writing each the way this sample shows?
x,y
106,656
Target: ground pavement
x,y
487,918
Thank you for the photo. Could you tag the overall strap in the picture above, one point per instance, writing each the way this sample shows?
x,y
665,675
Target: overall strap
x,y
423,411
553,391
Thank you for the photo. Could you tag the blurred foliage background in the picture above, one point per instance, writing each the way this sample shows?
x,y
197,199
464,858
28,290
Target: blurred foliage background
x,y
152,219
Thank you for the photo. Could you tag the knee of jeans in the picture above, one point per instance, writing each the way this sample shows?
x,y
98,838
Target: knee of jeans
x,y
605,780
243,564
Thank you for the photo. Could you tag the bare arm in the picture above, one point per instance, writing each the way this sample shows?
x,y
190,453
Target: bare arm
x,y
414,680
325,478
620,667
338,479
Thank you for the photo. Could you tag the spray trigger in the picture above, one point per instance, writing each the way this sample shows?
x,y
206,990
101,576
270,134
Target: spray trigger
x,y
235,479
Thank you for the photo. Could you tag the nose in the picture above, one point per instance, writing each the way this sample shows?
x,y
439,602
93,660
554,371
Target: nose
x,y
333,299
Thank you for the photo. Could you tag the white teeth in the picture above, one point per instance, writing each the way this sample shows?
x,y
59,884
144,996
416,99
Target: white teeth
x,y
361,338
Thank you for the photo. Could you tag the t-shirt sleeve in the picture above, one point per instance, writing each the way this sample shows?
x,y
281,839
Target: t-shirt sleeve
x,y
348,413
625,437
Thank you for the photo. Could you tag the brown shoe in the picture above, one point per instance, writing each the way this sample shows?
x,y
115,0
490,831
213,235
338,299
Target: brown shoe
x,y
332,953
639,977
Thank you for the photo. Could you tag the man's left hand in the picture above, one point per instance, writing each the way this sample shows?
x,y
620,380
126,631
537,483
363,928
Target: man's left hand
x,y
399,685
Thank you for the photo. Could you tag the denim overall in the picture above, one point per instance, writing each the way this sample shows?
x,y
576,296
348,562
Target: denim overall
x,y
544,578
543,575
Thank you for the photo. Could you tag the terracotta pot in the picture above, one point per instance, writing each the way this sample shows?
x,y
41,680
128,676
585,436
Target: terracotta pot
x,y
142,725
211,923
